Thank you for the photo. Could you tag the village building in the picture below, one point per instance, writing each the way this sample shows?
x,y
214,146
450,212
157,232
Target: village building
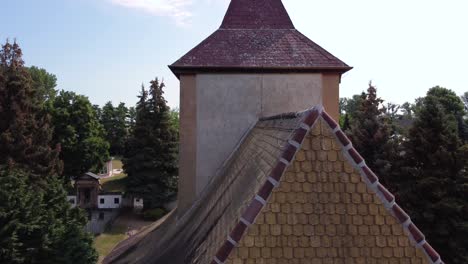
x,y
102,207
266,174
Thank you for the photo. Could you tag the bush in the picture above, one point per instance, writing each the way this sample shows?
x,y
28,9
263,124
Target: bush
x,y
154,214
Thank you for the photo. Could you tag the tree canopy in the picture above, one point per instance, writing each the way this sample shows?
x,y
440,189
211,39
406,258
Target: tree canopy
x,y
37,224
79,133
116,126
150,158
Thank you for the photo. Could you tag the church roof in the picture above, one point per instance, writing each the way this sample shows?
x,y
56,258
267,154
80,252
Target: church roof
x,y
258,36
295,179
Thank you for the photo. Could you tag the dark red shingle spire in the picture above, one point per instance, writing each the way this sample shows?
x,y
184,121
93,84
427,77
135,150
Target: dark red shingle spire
x,y
256,14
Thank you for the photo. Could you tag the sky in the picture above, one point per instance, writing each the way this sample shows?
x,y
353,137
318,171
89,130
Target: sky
x,y
106,49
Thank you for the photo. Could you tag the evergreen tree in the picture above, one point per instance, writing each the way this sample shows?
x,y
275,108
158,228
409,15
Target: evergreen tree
x,y
40,227
36,221
150,158
452,104
371,134
24,127
131,117
79,133
114,121
433,185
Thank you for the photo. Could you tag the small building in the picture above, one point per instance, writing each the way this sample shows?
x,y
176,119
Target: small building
x,y
102,207
110,200
87,188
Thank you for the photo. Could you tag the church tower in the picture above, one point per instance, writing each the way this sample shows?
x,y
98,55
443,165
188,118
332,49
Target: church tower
x,y
255,65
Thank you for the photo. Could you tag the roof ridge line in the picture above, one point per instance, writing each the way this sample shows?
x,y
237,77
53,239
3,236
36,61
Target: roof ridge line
x,y
309,120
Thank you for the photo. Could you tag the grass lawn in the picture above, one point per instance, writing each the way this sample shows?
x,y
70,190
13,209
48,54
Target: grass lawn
x,y
114,183
105,242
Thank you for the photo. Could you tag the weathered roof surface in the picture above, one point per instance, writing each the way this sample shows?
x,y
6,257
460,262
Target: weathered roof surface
x,y
234,200
258,14
197,236
257,35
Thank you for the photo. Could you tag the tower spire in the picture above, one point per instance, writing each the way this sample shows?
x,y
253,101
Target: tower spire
x,y
257,14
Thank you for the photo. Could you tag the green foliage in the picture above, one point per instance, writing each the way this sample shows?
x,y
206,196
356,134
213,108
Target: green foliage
x,y
453,105
370,133
350,106
150,159
39,226
432,180
154,214
79,133
115,122
43,83
174,116
24,128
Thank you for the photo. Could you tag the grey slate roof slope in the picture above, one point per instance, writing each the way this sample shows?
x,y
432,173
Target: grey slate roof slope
x,y
196,237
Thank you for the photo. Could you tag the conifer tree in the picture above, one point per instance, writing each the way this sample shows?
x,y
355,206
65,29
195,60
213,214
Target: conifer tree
x,y
370,133
150,158
114,121
25,132
433,185
36,221
40,227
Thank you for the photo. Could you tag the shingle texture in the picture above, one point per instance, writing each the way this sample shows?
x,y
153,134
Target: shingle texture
x,y
258,34
324,212
295,191
198,235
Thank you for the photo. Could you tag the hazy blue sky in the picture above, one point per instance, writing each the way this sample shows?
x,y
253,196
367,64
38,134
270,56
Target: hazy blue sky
x,y
105,49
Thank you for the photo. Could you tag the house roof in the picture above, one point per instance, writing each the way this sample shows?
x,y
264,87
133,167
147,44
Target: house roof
x,y
246,188
88,175
257,36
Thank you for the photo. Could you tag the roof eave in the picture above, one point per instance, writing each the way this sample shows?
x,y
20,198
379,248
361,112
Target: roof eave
x,y
179,70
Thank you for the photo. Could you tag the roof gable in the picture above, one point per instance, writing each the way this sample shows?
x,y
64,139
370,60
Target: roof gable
x,y
245,191
258,14
363,175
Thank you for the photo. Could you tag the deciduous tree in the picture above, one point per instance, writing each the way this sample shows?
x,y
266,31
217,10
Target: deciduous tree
x,y
79,133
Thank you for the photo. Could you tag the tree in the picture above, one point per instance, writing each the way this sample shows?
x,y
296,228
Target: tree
x,y
25,132
79,133
370,133
174,117
150,158
40,227
453,105
432,183
36,221
114,120
43,83
131,117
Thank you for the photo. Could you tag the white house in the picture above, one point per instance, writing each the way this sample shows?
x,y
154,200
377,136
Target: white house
x,y
109,200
